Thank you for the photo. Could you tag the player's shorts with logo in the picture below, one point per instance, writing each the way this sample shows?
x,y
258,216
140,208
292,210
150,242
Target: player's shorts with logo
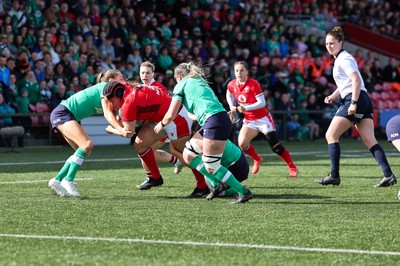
x,y
393,128
59,116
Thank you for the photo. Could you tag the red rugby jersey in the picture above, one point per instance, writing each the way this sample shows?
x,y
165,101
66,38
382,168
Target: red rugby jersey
x,y
145,104
159,86
245,94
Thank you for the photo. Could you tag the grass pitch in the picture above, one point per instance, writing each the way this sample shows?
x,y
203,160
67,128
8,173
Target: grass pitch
x,y
288,222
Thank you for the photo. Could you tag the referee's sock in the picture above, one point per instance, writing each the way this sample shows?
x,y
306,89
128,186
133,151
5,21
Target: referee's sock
x,y
380,157
334,153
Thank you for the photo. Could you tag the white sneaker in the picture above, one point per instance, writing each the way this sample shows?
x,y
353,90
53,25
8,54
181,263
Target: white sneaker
x,y
178,167
56,186
70,187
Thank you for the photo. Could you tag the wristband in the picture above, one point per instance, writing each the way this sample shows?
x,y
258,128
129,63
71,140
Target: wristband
x,y
353,102
162,124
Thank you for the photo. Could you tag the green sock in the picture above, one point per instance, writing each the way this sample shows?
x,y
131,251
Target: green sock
x,y
230,192
198,164
64,170
76,162
225,176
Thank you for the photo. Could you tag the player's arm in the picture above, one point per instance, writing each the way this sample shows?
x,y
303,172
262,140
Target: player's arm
x,y
169,116
230,98
260,103
127,127
356,85
356,89
108,110
333,97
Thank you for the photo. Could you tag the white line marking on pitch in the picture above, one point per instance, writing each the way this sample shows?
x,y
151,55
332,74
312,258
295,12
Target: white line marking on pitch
x,y
37,181
55,162
316,153
167,242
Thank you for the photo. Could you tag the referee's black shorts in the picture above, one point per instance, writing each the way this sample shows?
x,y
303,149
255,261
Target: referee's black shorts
x,y
364,108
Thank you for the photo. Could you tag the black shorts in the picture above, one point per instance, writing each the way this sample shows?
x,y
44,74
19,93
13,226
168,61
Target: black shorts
x,y
364,108
60,115
217,127
240,169
393,128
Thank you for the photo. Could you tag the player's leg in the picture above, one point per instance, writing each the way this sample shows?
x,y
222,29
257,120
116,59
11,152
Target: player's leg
x,y
146,137
366,129
177,147
338,126
78,138
246,134
282,152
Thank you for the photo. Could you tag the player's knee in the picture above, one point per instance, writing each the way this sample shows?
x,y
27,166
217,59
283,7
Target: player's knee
x,y
273,141
212,162
243,146
192,149
278,149
87,147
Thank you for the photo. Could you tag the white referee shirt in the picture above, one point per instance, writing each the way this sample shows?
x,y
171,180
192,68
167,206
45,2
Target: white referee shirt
x,y
344,65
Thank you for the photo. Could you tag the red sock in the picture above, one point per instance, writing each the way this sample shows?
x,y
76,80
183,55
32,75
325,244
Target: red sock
x,y
150,161
173,159
201,183
285,156
251,151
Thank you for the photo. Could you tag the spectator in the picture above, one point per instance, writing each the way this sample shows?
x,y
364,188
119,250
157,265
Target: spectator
x,y
38,70
23,108
64,15
135,59
107,49
30,84
4,70
45,92
5,108
164,61
391,72
17,15
306,121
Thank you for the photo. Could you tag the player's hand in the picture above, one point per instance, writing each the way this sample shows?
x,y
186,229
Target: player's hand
x,y
110,129
352,109
329,99
158,128
233,110
241,108
126,133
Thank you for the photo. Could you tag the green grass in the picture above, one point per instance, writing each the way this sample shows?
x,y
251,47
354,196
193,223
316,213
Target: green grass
x,y
116,224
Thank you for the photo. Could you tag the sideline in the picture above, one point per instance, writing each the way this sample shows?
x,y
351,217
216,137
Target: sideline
x,y
190,243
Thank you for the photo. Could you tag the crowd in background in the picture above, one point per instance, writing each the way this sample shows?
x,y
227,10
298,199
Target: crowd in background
x,y
50,50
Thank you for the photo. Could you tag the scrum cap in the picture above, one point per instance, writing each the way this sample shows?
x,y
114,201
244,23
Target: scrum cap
x,y
112,89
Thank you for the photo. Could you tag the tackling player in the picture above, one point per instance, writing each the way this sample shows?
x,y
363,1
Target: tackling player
x,y
65,119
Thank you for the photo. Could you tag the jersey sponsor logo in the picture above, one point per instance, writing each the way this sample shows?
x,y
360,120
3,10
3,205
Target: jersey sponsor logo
x,y
394,135
99,111
242,98
55,121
